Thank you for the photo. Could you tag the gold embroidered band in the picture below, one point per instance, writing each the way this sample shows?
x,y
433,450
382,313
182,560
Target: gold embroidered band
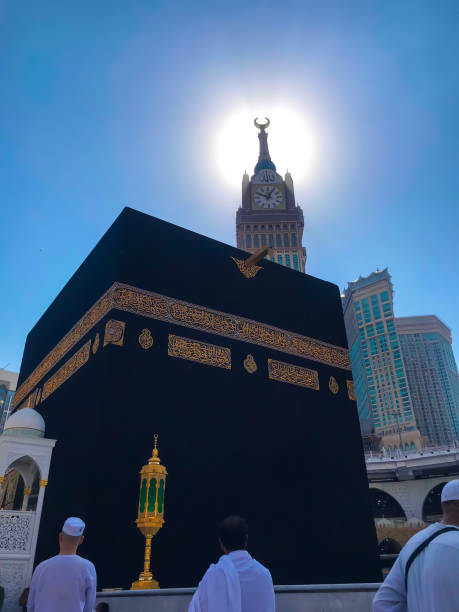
x,y
293,374
210,354
68,369
152,305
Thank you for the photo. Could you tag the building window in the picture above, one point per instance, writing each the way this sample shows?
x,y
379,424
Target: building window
x,y
375,305
248,242
270,227
278,240
271,240
296,264
366,310
256,241
287,261
292,226
247,227
263,240
294,240
285,226
286,240
384,296
279,259
262,227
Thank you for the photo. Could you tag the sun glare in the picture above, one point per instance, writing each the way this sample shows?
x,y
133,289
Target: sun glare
x,y
291,140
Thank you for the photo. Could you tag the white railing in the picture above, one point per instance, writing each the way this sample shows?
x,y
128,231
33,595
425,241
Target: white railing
x,y
427,451
16,530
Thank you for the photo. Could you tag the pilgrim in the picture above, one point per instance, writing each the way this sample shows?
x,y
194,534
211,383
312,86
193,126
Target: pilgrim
x,y
424,577
65,581
237,583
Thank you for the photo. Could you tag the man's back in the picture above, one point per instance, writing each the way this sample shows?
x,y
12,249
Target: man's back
x,y
237,583
257,591
433,582
433,578
63,583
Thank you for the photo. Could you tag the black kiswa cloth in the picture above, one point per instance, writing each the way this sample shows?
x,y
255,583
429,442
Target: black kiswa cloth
x,y
233,440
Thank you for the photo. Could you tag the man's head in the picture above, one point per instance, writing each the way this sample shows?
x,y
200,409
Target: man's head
x,y
71,535
233,533
450,502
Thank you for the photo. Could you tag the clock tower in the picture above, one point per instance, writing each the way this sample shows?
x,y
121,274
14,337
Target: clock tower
x,y
268,215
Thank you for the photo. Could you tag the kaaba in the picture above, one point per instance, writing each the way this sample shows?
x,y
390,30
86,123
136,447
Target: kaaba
x,y
242,370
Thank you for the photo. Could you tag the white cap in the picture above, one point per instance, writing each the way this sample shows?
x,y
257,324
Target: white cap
x,y
73,526
450,491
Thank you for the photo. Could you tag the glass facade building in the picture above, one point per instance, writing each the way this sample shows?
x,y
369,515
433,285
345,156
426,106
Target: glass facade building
x,y
380,381
8,382
432,376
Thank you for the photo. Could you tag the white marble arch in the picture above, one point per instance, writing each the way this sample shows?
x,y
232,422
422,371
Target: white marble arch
x,y
411,494
30,455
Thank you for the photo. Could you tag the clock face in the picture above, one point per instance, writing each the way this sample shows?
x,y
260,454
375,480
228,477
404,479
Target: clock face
x,y
268,196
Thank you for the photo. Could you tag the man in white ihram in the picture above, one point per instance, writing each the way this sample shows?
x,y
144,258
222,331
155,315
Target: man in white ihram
x,y
237,583
425,577
66,582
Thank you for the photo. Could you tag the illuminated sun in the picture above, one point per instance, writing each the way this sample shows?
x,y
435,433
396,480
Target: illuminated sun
x,y
291,140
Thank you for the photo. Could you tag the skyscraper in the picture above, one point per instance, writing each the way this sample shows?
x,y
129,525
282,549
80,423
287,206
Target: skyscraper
x,y
432,376
268,215
8,382
380,382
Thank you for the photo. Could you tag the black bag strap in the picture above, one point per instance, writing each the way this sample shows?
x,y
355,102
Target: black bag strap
x,y
417,551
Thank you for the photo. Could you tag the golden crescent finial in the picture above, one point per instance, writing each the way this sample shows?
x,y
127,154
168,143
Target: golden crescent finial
x,y
261,126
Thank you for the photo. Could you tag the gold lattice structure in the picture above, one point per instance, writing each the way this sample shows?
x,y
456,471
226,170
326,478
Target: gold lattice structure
x,y
150,515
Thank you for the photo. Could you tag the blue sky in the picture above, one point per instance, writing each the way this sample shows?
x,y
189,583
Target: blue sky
x,y
110,103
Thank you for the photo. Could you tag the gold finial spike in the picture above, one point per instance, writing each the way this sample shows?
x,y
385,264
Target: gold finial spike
x,y
155,449
259,255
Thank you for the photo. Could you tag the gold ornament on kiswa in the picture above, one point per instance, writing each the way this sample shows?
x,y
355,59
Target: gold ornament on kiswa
x,y
150,512
351,390
146,339
333,385
250,364
249,271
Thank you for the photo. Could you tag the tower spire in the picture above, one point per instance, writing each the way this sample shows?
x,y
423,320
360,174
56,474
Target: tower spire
x,y
264,158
